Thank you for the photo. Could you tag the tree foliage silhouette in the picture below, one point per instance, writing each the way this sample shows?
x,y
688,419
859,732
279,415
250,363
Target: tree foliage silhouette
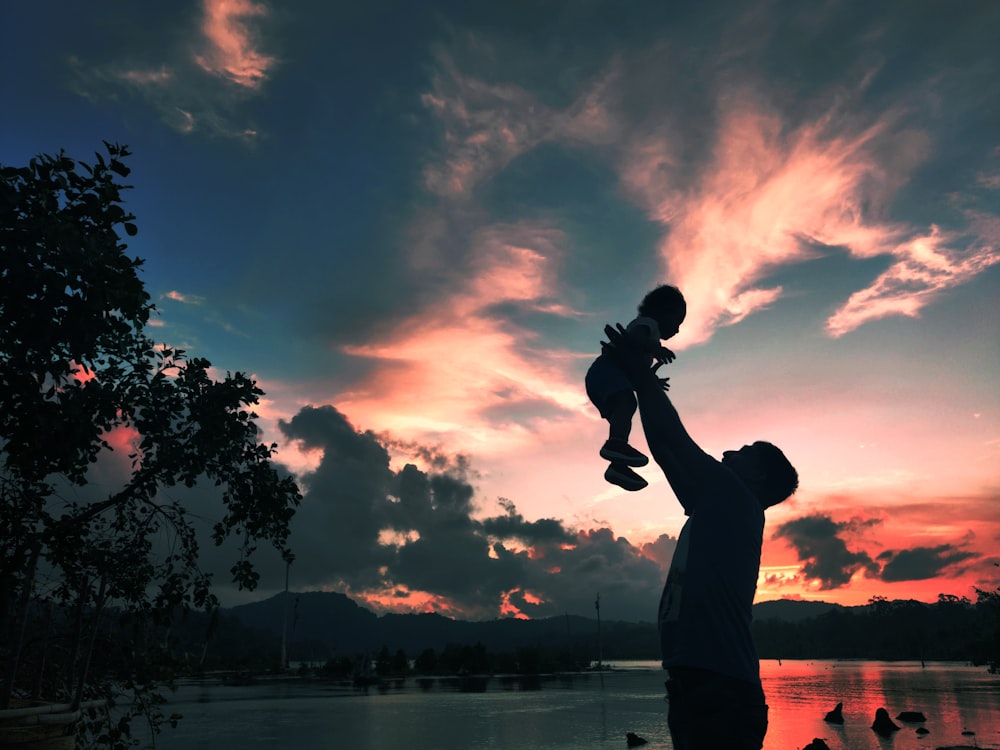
x,y
81,384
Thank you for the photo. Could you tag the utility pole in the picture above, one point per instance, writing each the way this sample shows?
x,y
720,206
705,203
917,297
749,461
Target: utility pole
x,y
600,651
284,624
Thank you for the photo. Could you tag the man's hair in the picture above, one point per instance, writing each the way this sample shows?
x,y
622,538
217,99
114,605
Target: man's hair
x,y
664,302
780,477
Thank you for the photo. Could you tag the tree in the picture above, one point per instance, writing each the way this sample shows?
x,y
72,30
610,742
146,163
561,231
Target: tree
x,y
988,644
89,570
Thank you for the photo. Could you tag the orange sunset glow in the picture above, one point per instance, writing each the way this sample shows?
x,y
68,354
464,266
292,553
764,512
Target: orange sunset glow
x,y
412,235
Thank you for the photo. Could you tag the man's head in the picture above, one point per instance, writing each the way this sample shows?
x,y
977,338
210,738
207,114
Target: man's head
x,y
765,470
667,307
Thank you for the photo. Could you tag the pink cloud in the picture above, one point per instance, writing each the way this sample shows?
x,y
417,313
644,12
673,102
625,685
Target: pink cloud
x,y
231,52
485,125
765,195
488,125
441,370
769,196
926,266
187,99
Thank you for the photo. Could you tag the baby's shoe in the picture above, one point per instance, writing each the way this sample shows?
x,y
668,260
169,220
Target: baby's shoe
x,y
620,452
624,477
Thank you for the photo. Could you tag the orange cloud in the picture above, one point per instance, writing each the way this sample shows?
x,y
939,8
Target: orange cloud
x,y
509,608
231,53
765,196
442,369
955,537
400,599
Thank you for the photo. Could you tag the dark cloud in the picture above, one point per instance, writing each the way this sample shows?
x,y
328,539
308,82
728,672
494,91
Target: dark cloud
x,y
921,563
824,554
661,550
514,526
819,541
434,456
371,531
346,499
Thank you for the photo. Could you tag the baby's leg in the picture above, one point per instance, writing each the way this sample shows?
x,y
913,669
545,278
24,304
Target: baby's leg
x,y
620,408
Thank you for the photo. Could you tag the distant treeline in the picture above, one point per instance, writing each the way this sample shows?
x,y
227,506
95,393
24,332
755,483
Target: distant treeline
x,y
953,628
459,659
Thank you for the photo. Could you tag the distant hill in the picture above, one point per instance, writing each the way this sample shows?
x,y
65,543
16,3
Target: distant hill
x,y
791,610
326,624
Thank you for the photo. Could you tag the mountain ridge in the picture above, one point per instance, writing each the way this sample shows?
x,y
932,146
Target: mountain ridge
x,y
322,624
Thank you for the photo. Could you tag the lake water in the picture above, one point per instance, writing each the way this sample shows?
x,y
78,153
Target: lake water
x,y
592,710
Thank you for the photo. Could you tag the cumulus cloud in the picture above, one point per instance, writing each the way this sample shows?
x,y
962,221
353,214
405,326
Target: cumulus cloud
x,y
387,536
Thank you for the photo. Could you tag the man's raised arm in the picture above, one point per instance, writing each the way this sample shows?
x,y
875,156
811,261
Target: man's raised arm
x,y
680,457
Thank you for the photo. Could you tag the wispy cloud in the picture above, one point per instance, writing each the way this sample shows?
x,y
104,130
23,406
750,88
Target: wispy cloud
x,y
926,266
232,48
441,370
148,77
771,193
199,86
768,197
485,126
187,299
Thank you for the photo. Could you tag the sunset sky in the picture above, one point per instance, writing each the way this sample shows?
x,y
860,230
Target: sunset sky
x,y
411,221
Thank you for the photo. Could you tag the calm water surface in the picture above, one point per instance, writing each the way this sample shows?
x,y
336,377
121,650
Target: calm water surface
x,y
593,710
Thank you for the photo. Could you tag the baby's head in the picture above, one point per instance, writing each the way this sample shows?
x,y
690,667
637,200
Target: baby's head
x,y
667,307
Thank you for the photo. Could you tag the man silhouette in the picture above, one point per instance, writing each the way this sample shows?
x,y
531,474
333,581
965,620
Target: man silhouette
x,y
714,690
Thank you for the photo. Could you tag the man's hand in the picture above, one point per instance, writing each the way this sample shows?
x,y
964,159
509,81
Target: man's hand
x,y
665,355
634,362
664,382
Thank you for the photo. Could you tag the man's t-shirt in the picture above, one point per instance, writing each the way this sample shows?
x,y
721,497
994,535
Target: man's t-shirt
x,y
705,611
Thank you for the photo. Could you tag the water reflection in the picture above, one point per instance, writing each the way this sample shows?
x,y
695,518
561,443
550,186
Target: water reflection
x,y
483,683
594,710
800,694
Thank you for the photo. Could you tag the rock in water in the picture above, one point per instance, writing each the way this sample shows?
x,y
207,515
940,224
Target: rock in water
x,y
634,740
836,716
912,716
883,725
816,744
